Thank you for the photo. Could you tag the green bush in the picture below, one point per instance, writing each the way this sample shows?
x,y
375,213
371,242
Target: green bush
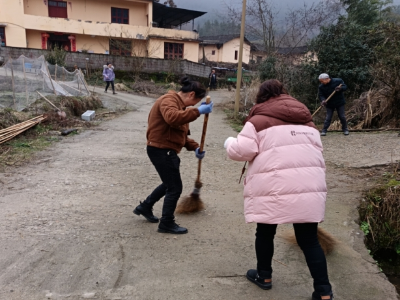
x,y
380,216
56,56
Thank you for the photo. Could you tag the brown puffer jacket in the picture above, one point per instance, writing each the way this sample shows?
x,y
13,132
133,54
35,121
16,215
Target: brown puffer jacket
x,y
169,123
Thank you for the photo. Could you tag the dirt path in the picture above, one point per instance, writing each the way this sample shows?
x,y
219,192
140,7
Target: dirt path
x,y
68,232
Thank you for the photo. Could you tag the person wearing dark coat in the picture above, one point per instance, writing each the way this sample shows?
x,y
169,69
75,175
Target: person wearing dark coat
x,y
213,80
337,102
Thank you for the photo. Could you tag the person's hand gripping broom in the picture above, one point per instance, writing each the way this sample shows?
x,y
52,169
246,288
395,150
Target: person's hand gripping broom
x,y
193,203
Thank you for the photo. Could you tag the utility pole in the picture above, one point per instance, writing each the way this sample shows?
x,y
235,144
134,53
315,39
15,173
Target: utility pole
x,y
239,69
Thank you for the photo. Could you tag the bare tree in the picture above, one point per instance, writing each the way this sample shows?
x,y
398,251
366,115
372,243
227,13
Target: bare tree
x,y
304,23
169,2
264,25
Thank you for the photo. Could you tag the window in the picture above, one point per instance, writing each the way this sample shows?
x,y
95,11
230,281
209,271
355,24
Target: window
x,y
121,47
173,51
2,37
236,55
119,15
213,52
58,9
259,59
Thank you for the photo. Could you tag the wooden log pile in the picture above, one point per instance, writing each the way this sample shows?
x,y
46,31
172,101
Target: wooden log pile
x,y
12,131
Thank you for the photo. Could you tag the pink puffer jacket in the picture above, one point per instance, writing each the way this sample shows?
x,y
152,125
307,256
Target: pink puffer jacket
x,y
285,181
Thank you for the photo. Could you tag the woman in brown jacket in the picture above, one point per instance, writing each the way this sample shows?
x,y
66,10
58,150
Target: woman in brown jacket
x,y
167,134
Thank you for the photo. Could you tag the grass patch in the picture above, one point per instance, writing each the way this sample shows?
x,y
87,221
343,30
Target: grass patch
x,y
236,122
20,149
380,221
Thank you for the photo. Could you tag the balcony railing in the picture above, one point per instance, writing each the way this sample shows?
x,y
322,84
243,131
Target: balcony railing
x,y
103,28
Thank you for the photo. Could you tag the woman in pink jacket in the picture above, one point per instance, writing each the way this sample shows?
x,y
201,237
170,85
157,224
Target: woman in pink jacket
x,y
285,181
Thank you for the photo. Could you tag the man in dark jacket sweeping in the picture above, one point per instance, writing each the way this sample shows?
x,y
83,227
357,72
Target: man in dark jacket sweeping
x,y
337,102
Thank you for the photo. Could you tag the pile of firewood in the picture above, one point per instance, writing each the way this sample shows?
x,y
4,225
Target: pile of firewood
x,y
9,133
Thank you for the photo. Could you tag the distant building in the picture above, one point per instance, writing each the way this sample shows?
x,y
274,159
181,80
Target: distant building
x,y
258,52
119,27
223,48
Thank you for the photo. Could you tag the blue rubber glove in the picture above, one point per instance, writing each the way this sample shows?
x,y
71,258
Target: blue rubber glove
x,y
205,108
198,154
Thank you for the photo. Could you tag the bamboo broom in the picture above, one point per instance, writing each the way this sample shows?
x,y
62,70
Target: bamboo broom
x,y
193,203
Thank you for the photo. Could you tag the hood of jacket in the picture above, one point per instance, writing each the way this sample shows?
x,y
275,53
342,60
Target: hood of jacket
x,y
284,108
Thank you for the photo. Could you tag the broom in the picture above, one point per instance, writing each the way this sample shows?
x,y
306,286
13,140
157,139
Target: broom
x,y
329,98
326,240
191,204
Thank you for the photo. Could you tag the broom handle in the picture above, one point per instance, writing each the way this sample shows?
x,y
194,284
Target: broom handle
x,y
340,85
203,138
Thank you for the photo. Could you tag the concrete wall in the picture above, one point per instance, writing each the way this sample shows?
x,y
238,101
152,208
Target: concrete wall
x,y
190,49
229,48
93,10
96,61
208,49
90,21
153,48
11,13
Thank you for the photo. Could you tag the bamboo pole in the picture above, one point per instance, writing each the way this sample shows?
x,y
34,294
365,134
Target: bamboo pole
x,y
51,80
26,87
329,98
55,73
51,103
239,69
12,79
12,131
84,81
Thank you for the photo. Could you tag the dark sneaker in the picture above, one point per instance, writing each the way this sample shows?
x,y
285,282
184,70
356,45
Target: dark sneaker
x,y
323,133
316,296
145,212
171,227
346,132
253,276
114,93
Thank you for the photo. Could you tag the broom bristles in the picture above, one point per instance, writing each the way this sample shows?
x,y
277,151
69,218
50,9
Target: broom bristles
x,y
190,204
326,240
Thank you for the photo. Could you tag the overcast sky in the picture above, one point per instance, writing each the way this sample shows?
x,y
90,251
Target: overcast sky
x,y
215,7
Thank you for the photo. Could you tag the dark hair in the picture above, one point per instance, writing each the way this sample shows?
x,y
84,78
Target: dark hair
x,y
193,86
269,89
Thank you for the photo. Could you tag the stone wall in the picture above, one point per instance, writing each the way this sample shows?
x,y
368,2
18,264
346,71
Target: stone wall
x,y
132,64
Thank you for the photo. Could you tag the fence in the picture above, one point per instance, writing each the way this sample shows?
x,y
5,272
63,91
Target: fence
x,y
21,79
122,63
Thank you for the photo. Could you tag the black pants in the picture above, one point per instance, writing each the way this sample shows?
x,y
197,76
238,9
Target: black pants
x,y
167,164
213,85
112,85
306,236
341,115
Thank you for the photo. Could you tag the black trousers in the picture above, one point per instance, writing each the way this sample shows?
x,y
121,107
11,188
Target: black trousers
x,y
108,84
306,236
329,114
167,163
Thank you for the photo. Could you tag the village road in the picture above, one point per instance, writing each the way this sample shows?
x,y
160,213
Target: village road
x,y
67,230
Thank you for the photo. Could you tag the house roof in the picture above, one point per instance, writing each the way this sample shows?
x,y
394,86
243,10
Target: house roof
x,y
281,50
167,17
220,39
292,50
